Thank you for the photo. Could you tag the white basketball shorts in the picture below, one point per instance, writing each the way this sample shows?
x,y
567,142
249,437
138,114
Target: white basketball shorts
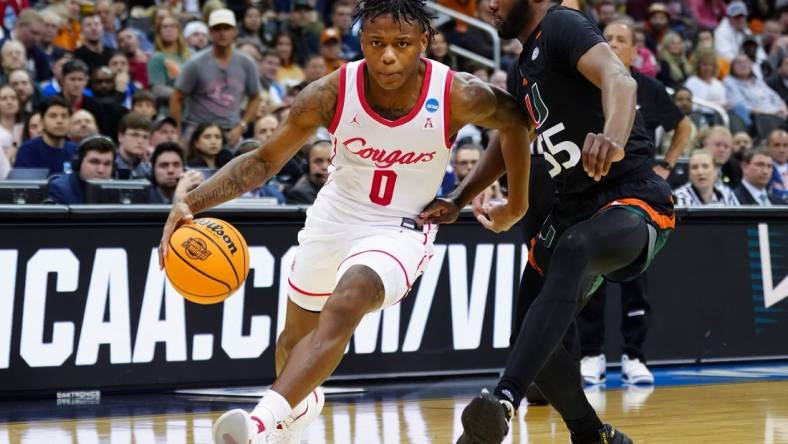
x,y
326,250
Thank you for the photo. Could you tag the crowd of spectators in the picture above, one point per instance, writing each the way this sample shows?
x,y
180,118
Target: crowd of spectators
x,y
170,91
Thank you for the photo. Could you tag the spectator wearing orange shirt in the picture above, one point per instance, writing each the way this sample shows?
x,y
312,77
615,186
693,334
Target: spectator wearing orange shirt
x,y
69,36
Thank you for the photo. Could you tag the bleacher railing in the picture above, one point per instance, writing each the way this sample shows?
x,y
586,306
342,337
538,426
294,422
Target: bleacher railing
x,y
495,62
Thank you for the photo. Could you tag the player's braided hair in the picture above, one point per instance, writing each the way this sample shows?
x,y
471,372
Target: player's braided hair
x,y
409,11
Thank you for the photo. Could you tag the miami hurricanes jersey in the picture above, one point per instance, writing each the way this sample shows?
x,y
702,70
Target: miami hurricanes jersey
x,y
384,170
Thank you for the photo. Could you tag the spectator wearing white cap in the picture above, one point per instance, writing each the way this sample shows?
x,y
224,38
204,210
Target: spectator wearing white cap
x,y
214,83
196,35
729,36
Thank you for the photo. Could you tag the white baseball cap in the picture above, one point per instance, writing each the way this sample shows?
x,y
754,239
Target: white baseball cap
x,y
221,17
194,27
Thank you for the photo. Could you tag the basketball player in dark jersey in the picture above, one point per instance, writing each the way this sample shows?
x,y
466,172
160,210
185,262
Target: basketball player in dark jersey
x,y
610,216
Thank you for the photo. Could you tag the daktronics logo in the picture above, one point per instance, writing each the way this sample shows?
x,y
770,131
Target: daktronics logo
x,y
385,158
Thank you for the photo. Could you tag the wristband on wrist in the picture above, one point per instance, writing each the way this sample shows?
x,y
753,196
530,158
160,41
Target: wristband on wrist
x,y
665,164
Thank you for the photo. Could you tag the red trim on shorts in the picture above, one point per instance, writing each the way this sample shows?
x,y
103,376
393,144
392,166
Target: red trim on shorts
x,y
425,87
446,110
407,280
340,100
305,293
407,292
421,261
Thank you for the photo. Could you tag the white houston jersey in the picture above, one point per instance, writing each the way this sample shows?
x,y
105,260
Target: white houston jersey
x,y
384,170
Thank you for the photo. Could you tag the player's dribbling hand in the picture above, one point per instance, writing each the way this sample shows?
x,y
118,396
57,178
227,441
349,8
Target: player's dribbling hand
x,y
439,211
179,215
599,152
495,215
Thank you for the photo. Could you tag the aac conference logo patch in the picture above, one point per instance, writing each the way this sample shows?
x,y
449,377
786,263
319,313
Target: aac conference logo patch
x,y
432,105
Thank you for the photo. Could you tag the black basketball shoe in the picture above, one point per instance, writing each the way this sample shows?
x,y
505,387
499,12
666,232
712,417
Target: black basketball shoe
x,y
485,420
609,435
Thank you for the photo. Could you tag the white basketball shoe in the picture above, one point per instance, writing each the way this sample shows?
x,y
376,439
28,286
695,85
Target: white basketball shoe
x,y
634,371
239,427
234,427
593,369
305,413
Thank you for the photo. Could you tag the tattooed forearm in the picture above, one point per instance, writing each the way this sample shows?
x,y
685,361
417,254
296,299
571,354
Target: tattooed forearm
x,y
242,174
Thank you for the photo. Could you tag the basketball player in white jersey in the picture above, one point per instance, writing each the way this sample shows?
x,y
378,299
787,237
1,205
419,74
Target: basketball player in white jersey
x,y
392,117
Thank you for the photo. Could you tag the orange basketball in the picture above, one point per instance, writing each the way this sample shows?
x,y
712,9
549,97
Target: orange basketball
x,y
208,260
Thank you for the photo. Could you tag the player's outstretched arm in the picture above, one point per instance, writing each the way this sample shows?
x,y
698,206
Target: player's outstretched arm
x,y
474,101
313,107
603,68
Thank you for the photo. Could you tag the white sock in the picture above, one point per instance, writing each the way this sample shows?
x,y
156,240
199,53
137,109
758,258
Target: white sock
x,y
271,409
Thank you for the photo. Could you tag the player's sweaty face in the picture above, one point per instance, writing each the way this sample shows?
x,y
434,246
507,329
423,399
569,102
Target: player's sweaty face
x,y
392,50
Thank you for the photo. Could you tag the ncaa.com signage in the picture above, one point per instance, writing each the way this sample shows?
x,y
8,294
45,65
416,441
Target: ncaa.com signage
x,y
83,304
87,307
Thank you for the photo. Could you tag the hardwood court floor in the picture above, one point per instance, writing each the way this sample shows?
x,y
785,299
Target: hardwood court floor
x,y
755,412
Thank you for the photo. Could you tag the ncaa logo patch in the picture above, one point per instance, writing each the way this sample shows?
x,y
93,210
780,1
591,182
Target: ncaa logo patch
x,y
535,54
432,105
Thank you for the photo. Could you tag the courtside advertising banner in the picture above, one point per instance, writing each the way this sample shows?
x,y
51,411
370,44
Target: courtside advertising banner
x,y
83,305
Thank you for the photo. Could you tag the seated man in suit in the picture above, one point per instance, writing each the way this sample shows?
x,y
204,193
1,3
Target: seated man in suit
x,y
95,157
757,166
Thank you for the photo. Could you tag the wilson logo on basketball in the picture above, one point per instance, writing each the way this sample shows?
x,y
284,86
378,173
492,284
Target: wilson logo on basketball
x,y
383,158
196,248
218,230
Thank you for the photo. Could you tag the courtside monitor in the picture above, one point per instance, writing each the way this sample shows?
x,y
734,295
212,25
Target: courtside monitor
x,y
23,191
117,192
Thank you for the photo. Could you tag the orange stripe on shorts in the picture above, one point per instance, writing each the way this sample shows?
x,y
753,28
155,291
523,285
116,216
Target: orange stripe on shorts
x,y
532,259
663,221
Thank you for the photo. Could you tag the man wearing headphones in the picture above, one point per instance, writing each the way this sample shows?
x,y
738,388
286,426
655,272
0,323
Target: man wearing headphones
x,y
167,174
95,157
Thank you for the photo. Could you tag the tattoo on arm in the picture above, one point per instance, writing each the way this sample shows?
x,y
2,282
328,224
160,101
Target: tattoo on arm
x,y
319,105
489,106
242,174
